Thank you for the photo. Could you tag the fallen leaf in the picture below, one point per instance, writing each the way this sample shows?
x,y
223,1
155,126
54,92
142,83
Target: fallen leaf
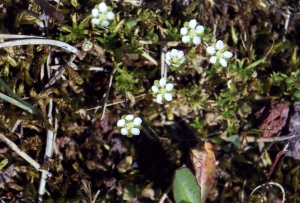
x,y
275,120
204,162
294,128
7,174
103,126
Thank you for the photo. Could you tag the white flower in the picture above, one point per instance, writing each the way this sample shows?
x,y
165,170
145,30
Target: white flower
x,y
95,12
129,125
186,39
124,131
95,21
154,89
137,121
121,123
196,40
175,58
169,87
168,96
110,15
104,23
162,82
102,15
219,54
102,7
135,131
227,54
192,23
199,29
129,117
183,31
211,50
192,33
219,44
159,98
162,90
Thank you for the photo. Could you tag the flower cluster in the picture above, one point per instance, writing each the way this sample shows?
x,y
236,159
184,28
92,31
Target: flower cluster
x,y
102,15
219,53
175,58
129,125
191,32
162,90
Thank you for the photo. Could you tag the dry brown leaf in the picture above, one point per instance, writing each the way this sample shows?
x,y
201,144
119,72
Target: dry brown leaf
x,y
7,174
276,117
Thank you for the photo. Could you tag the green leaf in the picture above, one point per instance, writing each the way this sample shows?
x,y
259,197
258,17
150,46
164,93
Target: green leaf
x,y
133,56
130,192
235,140
3,163
117,28
129,25
296,95
256,63
191,8
66,28
185,187
147,56
84,22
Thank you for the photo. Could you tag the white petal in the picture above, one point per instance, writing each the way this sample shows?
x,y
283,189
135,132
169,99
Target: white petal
x,y
168,96
137,121
219,44
104,23
129,117
102,7
168,58
211,50
159,98
168,61
223,62
182,60
180,54
213,59
186,39
95,12
168,55
154,88
110,15
183,31
124,131
229,84
192,23
227,54
135,131
95,21
196,40
162,82
199,29
169,87
174,53
121,123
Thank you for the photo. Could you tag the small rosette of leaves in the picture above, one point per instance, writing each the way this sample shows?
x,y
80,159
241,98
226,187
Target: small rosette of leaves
x,y
162,90
129,125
